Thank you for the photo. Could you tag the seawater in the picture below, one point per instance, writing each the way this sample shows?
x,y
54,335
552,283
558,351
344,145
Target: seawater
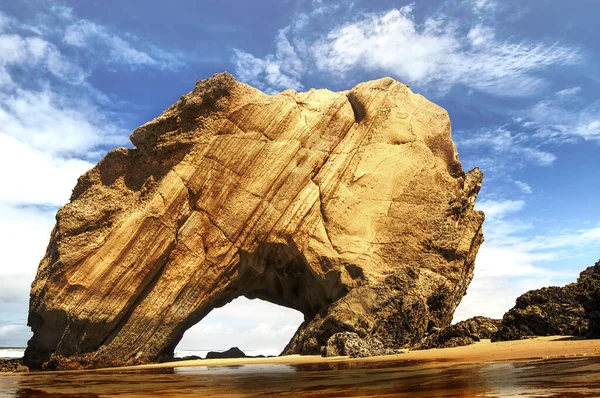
x,y
12,352
18,352
180,353
563,377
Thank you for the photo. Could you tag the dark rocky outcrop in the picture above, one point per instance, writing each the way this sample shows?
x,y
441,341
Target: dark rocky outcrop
x,y
588,296
187,358
233,352
349,207
462,333
545,312
13,365
350,344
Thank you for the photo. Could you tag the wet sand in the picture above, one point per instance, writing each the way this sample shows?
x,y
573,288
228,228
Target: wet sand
x,y
484,351
549,367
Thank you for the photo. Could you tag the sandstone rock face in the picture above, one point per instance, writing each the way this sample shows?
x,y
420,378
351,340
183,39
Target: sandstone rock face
x,y
350,207
545,312
462,333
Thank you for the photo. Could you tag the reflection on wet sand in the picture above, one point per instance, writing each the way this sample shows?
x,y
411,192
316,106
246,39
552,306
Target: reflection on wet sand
x,y
566,377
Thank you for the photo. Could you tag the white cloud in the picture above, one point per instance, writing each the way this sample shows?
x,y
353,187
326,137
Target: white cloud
x,y
568,92
3,22
483,6
508,267
502,150
564,118
540,157
14,335
514,260
437,54
47,121
34,177
30,52
274,72
87,34
395,44
24,234
53,125
524,187
252,325
495,209
480,35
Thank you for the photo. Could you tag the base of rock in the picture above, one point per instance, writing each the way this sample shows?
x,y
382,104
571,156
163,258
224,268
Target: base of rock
x,y
352,345
460,334
86,361
550,311
14,365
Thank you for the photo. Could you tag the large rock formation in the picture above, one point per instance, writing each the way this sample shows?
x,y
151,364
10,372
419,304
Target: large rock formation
x,y
350,207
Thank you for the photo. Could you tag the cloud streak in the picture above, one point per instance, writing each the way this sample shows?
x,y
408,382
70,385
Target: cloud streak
x,y
435,54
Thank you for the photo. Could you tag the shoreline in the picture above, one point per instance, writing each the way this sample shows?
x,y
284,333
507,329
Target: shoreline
x,y
534,349
538,348
547,366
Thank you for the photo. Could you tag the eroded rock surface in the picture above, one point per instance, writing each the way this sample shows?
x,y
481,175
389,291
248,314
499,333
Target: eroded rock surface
x,y
545,312
13,365
588,296
352,345
350,207
462,333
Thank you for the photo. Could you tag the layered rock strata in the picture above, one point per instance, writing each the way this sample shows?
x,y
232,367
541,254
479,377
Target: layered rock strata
x,y
351,207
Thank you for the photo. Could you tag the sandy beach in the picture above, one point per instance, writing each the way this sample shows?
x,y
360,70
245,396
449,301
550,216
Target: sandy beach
x,y
546,366
484,351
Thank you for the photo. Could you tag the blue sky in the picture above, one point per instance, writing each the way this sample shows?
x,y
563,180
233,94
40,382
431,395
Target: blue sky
x,y
521,83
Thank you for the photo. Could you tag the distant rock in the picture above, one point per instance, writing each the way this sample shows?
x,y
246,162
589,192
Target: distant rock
x,y
233,352
462,333
187,358
545,312
351,207
588,296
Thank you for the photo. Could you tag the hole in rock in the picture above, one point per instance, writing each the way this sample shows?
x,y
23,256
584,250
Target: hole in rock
x,y
255,326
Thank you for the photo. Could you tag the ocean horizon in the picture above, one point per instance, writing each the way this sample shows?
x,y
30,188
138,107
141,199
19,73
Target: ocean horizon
x,y
18,352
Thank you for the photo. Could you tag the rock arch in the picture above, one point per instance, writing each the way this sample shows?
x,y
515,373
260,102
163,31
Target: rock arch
x,y
351,207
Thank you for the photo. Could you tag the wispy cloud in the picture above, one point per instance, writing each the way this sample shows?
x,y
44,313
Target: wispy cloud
x,y
26,52
275,72
495,209
91,37
524,187
436,54
502,149
565,117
